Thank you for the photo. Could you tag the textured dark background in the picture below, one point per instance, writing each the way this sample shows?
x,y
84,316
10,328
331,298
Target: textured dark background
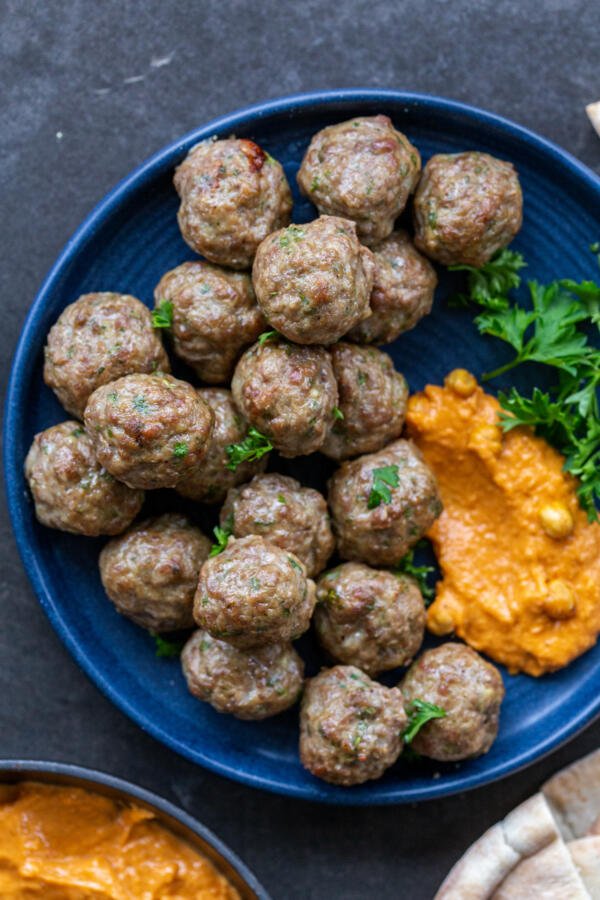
x,y
90,89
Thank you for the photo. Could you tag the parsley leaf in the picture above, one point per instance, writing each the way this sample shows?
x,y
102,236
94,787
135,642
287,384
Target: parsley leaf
x,y
489,285
407,566
166,649
383,479
419,713
337,413
267,336
181,449
222,536
162,316
254,446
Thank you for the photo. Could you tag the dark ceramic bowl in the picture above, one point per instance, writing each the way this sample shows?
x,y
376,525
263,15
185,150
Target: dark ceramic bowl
x,y
180,823
126,244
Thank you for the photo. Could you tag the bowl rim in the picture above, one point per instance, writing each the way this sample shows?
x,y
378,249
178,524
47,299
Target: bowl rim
x,y
26,345
18,770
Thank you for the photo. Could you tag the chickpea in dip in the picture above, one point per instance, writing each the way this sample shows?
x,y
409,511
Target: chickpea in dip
x,y
520,561
67,843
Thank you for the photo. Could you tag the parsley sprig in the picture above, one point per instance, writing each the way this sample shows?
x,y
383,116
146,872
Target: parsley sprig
x,y
162,316
254,446
553,330
419,713
222,536
165,648
383,479
421,574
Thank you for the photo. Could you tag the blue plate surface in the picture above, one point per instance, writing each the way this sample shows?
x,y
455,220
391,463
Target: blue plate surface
x,y
125,245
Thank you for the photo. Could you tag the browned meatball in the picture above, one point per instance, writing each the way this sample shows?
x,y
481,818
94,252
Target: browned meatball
x,y
363,170
215,317
148,430
403,287
381,504
233,195
468,689
71,491
98,338
313,282
288,393
249,684
150,573
368,618
284,513
467,206
372,401
253,594
351,728
209,482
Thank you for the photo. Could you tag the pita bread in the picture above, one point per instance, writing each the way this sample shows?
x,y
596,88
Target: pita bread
x,y
574,796
549,875
526,830
585,853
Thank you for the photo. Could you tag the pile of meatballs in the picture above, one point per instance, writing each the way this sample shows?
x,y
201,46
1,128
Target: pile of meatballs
x,y
280,322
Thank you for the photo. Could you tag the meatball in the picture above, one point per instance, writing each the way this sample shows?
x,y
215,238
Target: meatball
x,y
253,594
288,393
284,513
383,503
148,430
249,684
95,340
363,170
372,401
467,206
233,195
210,482
71,491
468,689
367,618
351,728
150,573
403,286
215,317
313,282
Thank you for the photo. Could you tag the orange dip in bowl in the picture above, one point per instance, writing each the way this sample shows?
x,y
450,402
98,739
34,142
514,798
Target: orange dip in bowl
x,y
520,561
68,843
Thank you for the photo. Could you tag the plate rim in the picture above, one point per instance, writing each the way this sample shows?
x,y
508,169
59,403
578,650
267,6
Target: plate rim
x,y
134,181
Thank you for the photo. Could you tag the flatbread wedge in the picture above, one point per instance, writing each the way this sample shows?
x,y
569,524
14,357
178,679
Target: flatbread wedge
x,y
573,795
549,875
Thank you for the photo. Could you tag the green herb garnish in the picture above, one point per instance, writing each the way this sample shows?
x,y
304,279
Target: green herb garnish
x,y
419,713
166,649
407,566
222,536
489,285
552,331
337,413
267,336
162,315
383,479
181,449
254,446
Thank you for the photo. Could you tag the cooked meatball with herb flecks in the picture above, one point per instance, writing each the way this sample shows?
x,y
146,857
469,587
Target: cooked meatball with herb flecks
x,y
253,594
372,400
209,482
214,317
469,690
288,393
149,431
233,195
248,684
383,503
313,281
467,206
403,286
71,490
151,572
351,728
363,170
98,338
284,513
369,618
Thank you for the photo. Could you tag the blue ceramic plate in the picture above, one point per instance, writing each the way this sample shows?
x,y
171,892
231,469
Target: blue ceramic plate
x,y
126,244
